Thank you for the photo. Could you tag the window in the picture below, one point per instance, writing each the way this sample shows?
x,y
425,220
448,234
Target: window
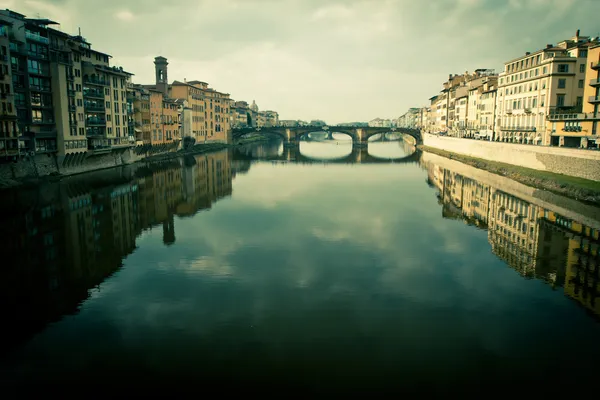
x,y
579,102
36,116
563,67
544,70
543,100
537,71
562,83
560,100
582,53
108,104
106,91
582,68
534,103
116,107
116,95
580,84
108,117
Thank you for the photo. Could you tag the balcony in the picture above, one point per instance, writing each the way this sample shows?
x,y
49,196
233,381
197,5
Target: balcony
x,y
97,94
34,71
70,92
508,111
566,116
572,129
595,82
36,37
91,107
72,107
95,122
34,54
594,99
518,128
40,88
527,110
96,81
70,77
596,65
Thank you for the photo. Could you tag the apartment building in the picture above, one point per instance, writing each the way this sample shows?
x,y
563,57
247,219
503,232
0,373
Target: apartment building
x,y
268,118
68,98
536,85
210,110
241,116
9,129
138,103
579,128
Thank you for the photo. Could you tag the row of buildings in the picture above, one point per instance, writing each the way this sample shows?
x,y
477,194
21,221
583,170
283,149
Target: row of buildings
x,y
535,241
547,97
60,96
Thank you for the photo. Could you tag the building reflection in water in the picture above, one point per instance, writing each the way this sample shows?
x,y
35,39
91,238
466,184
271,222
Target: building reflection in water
x,y
63,239
534,240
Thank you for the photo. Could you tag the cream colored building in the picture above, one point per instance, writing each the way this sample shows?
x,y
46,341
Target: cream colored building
x,y
579,128
536,85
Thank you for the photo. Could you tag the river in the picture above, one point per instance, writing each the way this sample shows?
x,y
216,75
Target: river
x,y
317,268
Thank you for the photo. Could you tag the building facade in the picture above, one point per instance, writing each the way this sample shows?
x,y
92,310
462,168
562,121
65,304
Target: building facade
x,y
579,128
539,84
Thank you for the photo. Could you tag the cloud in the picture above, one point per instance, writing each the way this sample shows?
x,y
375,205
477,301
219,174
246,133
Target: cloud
x,y
125,15
337,61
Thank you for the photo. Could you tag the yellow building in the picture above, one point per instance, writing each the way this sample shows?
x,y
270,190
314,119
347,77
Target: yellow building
x,y
514,231
579,259
536,85
138,102
578,127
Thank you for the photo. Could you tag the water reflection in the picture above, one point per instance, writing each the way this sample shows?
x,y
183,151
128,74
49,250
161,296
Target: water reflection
x,y
61,240
532,237
332,151
304,270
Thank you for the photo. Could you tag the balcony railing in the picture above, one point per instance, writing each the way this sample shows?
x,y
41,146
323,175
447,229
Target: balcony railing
x,y
93,93
96,81
595,82
94,107
594,99
569,116
572,129
518,128
72,107
35,54
70,92
527,110
38,71
36,37
95,121
40,88
596,65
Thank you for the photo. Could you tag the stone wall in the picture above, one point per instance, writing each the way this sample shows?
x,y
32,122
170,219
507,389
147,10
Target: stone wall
x,y
560,160
50,164
570,208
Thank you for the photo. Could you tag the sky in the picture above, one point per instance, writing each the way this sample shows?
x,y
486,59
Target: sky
x,y
339,61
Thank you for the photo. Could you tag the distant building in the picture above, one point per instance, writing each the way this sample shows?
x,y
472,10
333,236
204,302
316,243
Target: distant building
x,y
380,123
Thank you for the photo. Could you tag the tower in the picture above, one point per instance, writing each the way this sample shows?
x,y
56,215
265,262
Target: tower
x,y
162,80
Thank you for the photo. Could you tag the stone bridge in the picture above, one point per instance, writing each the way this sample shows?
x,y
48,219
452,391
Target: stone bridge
x,y
359,155
292,135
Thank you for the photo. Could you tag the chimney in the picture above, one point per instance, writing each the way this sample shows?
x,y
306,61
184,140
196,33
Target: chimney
x,y
548,45
577,34
527,53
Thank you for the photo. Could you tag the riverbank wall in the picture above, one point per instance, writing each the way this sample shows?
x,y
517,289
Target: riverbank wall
x,y
570,208
572,162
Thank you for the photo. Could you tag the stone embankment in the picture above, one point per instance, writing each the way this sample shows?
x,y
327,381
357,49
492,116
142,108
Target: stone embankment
x,y
583,190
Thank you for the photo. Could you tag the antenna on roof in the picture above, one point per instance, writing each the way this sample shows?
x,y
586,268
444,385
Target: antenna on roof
x,y
79,31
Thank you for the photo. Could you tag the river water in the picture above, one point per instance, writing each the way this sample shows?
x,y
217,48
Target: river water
x,y
268,267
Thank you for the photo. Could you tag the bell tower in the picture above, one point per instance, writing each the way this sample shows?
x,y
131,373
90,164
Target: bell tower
x,y
162,80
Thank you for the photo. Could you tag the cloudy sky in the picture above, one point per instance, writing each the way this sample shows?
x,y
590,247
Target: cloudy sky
x,y
344,60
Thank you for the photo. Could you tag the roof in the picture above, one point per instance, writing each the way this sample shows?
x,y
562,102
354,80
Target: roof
x,y
196,82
